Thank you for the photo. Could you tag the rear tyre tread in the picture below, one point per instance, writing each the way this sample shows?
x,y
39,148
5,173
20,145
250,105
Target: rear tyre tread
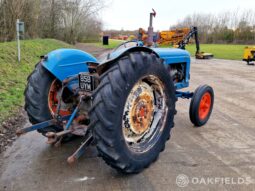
x,y
36,98
104,129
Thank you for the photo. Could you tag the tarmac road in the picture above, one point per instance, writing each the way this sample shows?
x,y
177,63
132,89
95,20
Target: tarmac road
x,y
218,156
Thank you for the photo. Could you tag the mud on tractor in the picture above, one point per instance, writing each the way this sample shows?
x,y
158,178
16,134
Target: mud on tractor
x,y
124,102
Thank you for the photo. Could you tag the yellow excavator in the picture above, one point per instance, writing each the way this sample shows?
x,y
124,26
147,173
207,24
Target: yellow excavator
x,y
179,38
249,55
172,37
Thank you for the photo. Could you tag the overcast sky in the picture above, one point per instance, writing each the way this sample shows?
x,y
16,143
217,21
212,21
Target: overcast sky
x,y
132,14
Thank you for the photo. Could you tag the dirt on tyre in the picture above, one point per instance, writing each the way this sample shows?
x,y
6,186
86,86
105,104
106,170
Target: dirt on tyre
x,y
41,98
201,105
133,112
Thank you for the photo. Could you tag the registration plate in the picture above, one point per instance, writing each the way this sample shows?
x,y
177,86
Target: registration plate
x,y
86,82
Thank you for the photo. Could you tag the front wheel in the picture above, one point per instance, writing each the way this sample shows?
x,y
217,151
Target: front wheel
x,y
133,111
201,105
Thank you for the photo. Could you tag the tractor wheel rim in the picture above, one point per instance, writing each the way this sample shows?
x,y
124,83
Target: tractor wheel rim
x,y
205,106
53,99
144,114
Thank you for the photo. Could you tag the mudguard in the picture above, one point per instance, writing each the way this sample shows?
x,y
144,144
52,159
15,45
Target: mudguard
x,y
63,63
167,55
113,56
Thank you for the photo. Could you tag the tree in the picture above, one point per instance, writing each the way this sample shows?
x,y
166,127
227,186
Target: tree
x,y
62,19
226,27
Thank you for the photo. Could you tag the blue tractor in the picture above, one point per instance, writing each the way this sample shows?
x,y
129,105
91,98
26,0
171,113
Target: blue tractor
x,y
124,102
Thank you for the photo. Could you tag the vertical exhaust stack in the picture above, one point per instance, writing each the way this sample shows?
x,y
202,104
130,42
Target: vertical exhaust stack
x,y
150,28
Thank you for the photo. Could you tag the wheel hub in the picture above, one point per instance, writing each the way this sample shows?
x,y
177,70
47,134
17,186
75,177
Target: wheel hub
x,y
138,111
53,99
204,106
144,109
141,113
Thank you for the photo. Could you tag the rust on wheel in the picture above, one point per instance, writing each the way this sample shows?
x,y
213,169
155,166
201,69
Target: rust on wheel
x,y
54,97
142,110
143,115
205,106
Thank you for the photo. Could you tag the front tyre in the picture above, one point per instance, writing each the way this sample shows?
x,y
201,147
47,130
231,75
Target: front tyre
x,y
201,105
133,112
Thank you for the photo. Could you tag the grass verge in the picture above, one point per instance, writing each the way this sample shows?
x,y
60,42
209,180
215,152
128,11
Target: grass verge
x,y
13,75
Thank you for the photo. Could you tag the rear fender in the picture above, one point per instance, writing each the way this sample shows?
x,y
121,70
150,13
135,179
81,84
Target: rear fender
x,y
109,63
63,63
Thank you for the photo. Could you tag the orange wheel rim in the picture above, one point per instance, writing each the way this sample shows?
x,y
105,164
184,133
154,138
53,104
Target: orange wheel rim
x,y
53,99
205,106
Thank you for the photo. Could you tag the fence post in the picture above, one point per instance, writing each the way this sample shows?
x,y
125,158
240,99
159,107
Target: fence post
x,y
18,39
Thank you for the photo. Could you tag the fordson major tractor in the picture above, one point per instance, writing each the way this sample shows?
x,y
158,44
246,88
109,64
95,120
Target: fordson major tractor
x,y
124,102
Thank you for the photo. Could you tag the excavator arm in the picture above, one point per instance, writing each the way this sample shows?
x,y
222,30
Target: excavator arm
x,y
181,37
186,39
178,37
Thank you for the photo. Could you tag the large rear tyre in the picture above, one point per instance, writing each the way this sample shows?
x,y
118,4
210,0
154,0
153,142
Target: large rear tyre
x,y
40,97
133,112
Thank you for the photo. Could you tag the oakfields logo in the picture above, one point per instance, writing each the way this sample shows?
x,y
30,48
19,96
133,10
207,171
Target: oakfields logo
x,y
183,180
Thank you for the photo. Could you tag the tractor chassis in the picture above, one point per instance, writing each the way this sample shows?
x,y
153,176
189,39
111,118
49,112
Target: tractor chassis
x,y
67,122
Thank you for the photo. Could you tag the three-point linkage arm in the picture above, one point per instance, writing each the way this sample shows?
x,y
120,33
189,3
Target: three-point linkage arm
x,y
193,33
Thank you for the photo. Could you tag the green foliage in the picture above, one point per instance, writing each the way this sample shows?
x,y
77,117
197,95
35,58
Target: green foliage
x,y
228,36
13,75
67,20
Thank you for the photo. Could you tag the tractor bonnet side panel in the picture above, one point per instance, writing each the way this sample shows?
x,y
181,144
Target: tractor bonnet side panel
x,y
173,56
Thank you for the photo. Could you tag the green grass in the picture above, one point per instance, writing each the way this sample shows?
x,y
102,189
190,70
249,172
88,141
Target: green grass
x,y
13,75
112,44
222,51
